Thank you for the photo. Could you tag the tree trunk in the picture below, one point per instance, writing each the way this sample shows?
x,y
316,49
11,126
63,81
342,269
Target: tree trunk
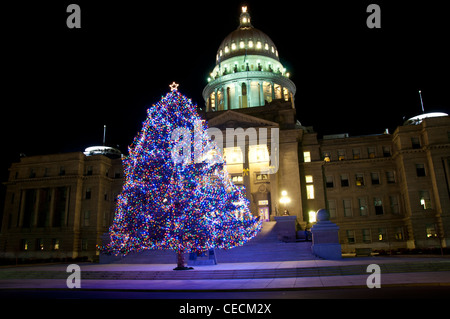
x,y
180,259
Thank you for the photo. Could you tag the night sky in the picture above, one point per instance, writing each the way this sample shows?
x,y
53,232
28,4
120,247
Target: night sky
x,y
60,85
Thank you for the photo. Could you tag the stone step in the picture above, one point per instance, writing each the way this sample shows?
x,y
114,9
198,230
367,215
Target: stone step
x,y
264,247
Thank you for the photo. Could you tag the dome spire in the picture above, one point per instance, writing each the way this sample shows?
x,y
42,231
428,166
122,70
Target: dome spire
x,y
244,19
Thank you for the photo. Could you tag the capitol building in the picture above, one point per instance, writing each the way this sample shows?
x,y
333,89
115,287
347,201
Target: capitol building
x,y
387,191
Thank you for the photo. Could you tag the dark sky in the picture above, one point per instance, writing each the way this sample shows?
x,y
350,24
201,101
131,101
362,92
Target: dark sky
x,y
63,85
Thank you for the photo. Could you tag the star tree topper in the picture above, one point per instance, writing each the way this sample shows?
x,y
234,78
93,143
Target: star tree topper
x,y
174,86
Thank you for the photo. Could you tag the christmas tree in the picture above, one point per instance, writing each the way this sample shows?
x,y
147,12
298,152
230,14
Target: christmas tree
x,y
177,194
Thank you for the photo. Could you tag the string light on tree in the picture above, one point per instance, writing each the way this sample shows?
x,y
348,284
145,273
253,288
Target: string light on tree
x,y
186,206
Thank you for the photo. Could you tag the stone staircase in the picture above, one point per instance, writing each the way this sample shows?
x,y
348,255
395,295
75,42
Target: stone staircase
x,y
264,247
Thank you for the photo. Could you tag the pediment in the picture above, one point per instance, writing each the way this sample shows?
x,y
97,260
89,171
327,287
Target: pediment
x,y
232,119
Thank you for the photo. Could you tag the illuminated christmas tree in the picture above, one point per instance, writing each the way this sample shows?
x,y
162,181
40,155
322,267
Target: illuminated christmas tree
x,y
177,194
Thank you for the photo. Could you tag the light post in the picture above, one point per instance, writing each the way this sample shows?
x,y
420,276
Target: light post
x,y
285,200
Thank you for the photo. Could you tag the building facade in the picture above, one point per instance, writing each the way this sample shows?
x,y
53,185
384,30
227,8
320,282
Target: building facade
x,y
58,206
387,191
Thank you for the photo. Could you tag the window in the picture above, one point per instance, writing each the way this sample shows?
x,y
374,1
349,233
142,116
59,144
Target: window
x,y
237,179
329,182
425,200
88,193
89,171
399,233
55,244
415,142
84,244
359,179
344,180
327,156
356,153
24,244
32,173
371,152
332,208
362,203
309,187
420,170
62,171
347,207
375,177
350,236
341,155
307,157
366,236
39,244
258,45
378,206
390,177
310,191
386,151
382,234
393,201
241,44
86,217
431,231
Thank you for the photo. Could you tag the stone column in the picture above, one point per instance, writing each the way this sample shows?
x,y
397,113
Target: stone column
x,y
325,237
261,93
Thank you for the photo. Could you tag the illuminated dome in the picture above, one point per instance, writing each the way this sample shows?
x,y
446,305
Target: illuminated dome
x,y
107,151
246,40
248,71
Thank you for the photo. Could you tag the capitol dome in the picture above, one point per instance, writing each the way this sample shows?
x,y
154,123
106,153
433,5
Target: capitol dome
x,y
248,71
246,40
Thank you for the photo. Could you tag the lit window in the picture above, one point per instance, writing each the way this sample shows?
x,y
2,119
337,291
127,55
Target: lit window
x,y
327,156
242,44
237,179
431,231
233,46
359,179
312,216
221,53
227,49
341,155
307,157
233,155
55,244
258,154
273,49
309,179
425,200
258,45
276,52
266,47
310,191
250,44
382,234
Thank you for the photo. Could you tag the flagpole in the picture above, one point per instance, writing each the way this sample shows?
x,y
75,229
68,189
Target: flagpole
x,y
421,101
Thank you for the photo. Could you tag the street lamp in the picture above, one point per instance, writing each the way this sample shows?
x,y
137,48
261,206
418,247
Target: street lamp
x,y
285,200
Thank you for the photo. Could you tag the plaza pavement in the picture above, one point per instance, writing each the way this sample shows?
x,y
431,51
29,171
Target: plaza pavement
x,y
281,275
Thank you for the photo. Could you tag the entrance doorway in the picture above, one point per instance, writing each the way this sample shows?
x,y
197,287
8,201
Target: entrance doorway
x,y
264,213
